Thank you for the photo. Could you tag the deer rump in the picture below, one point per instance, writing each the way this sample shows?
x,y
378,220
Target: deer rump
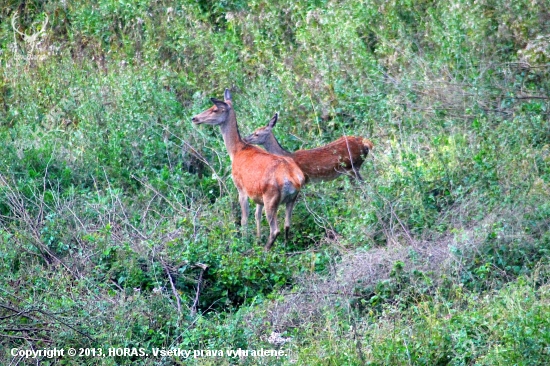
x,y
280,179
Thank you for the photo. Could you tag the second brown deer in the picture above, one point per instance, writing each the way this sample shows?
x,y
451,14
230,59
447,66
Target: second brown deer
x,y
342,156
267,179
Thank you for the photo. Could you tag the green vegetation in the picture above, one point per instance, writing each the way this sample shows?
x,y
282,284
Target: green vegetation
x,y
112,203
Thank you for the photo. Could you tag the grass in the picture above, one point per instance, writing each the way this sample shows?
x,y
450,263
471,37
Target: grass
x,y
112,202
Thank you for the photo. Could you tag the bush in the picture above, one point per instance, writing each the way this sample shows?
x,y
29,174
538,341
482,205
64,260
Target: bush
x,y
112,202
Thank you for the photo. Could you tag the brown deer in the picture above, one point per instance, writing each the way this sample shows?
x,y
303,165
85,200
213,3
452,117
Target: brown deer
x,y
267,179
343,156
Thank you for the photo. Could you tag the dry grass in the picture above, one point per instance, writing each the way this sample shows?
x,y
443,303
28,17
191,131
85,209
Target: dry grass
x,y
357,269
358,272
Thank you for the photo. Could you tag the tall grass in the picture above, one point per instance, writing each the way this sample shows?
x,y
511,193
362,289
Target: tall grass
x,y
112,205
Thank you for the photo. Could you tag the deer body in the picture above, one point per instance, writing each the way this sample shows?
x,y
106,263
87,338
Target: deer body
x,y
342,156
267,179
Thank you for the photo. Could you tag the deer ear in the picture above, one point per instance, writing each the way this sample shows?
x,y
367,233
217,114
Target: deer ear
x,y
227,95
273,120
218,102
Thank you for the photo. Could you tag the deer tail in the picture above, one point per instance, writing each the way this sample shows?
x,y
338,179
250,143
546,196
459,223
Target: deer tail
x,y
367,144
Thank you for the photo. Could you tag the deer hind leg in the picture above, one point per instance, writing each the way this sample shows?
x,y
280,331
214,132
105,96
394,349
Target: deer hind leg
x,y
288,215
352,172
271,215
258,215
245,210
356,168
354,176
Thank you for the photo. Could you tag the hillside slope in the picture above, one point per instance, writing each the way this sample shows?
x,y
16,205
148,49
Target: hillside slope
x,y
119,220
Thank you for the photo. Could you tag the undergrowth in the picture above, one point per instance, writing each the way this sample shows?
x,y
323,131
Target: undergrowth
x,y
119,223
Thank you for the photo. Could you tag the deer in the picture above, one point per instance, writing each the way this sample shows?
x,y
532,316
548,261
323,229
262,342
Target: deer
x,y
268,180
325,163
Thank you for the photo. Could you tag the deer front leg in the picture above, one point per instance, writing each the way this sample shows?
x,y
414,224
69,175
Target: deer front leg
x,y
245,211
258,215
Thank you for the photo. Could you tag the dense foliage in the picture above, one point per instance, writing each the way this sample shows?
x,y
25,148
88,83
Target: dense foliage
x,y
119,220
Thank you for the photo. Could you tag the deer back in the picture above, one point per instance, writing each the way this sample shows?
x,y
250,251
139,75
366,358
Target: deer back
x,y
329,161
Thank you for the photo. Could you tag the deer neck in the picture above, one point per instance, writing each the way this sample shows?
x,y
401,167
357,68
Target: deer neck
x,y
272,146
231,135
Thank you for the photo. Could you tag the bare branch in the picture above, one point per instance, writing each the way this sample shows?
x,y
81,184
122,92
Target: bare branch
x,y
203,268
174,291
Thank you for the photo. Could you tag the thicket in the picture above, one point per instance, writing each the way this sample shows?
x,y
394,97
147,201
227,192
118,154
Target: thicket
x,y
119,220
